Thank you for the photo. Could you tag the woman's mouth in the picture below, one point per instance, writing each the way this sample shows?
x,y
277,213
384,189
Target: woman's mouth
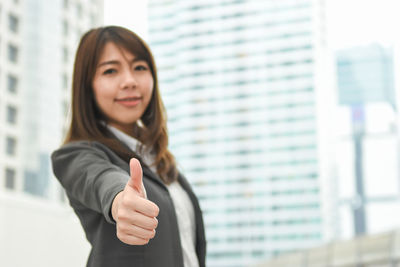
x,y
129,101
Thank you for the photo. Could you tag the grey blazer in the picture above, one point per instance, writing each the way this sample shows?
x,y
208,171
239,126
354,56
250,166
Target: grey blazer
x,y
92,174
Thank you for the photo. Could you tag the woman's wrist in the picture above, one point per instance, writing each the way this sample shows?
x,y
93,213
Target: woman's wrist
x,y
114,206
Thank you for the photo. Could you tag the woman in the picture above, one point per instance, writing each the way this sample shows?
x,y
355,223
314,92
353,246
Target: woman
x,y
118,128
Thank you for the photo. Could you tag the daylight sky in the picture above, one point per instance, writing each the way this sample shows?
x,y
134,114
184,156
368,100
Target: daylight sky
x,y
352,22
131,14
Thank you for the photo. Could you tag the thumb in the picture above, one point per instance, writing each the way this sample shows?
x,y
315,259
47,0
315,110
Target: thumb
x,y
136,180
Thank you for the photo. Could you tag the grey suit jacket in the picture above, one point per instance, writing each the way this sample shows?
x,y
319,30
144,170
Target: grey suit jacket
x,y
92,174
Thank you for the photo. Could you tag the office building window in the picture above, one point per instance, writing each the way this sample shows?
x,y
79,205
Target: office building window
x,y
11,114
65,81
12,83
65,54
79,33
92,19
10,178
79,10
11,146
65,27
12,53
13,23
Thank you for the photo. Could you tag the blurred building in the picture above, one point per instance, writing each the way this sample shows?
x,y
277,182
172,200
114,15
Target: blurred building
x,y
37,42
366,75
367,149
249,96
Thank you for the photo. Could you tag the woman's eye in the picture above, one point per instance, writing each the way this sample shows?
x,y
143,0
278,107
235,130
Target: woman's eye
x,y
140,67
109,71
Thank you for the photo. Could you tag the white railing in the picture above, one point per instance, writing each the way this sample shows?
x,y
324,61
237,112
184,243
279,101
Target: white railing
x,y
380,250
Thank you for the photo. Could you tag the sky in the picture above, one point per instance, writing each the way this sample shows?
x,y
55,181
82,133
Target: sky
x,y
131,14
350,22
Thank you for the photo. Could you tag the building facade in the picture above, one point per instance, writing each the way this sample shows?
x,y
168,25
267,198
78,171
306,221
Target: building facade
x,y
10,94
38,40
248,92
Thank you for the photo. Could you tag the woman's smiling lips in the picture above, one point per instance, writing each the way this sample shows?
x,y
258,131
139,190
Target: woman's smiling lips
x,y
129,101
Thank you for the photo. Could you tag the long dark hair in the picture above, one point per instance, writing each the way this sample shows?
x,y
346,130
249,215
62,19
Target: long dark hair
x,y
86,121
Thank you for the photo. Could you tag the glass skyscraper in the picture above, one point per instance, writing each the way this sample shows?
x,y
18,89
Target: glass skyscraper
x,y
366,75
248,92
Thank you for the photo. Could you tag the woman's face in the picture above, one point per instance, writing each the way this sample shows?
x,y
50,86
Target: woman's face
x,y
122,87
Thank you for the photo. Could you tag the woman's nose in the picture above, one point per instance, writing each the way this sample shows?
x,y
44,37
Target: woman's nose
x,y
128,80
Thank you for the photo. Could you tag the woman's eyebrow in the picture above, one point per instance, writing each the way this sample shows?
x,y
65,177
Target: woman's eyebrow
x,y
137,59
110,62
116,62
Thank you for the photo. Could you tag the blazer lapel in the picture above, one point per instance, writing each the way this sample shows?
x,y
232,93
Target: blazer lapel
x,y
151,175
146,170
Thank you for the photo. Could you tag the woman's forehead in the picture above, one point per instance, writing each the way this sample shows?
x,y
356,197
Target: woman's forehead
x,y
112,51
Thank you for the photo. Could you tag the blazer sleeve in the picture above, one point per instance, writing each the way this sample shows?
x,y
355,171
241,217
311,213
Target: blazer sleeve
x,y
88,176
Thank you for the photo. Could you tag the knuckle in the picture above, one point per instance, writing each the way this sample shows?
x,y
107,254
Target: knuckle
x,y
155,223
149,234
153,234
156,210
123,228
126,201
122,215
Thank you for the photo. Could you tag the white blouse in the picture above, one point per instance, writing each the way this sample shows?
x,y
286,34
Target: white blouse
x,y
183,206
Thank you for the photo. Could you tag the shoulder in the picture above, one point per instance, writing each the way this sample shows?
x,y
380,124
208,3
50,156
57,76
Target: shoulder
x,y
82,146
84,151
85,155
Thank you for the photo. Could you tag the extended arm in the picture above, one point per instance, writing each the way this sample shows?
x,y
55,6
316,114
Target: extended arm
x,y
88,176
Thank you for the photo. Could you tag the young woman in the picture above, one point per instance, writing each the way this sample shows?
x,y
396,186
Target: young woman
x,y
122,182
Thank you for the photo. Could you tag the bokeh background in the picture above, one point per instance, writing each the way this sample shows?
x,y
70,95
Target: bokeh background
x,y
283,115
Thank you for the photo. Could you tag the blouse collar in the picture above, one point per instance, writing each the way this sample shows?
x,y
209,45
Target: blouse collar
x,y
134,145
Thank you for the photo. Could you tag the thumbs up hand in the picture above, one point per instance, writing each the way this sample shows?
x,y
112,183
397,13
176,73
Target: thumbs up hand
x,y
134,214
136,181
